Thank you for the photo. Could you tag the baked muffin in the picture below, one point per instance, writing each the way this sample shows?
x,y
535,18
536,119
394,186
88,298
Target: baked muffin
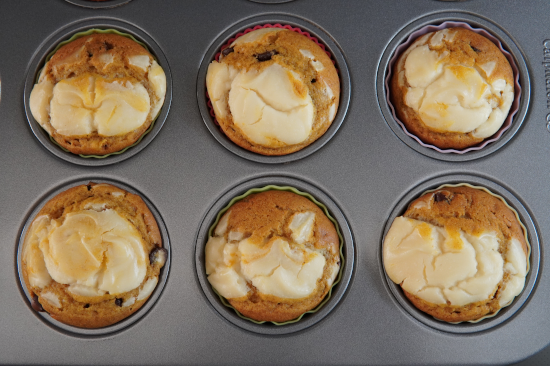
x,y
452,88
459,254
274,255
98,94
273,91
92,256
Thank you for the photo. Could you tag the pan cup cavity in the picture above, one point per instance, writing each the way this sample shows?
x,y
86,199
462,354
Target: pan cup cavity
x,y
413,31
121,325
347,254
522,213
77,30
105,4
310,30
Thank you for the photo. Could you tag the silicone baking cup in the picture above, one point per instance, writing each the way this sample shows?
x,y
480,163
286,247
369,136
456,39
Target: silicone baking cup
x,y
281,21
322,207
69,34
84,34
533,255
432,28
331,210
248,30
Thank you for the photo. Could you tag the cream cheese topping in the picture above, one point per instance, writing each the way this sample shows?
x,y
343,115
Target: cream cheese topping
x,y
92,252
51,298
453,98
317,65
90,103
443,266
275,268
271,105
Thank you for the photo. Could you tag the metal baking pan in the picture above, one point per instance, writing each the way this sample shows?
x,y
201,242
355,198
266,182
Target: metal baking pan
x,y
365,169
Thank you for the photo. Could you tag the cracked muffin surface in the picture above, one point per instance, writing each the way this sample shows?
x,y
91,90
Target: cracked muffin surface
x,y
98,94
273,91
452,88
92,256
273,255
458,253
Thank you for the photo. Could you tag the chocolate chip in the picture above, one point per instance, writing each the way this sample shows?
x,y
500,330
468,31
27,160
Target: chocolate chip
x,y
227,51
89,187
475,49
266,56
35,304
118,302
108,46
313,81
86,306
158,255
438,197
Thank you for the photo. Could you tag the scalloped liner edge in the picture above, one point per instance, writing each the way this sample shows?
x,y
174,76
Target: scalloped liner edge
x,y
514,108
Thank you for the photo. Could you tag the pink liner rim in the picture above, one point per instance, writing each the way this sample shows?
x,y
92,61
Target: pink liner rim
x,y
517,88
248,30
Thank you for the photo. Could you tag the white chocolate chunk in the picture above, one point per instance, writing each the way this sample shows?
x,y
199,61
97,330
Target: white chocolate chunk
x,y
317,65
106,59
141,61
442,266
489,67
301,227
147,288
254,36
131,301
235,236
51,298
221,228
82,290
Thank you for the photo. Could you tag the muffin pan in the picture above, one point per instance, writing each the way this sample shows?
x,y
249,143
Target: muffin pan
x,y
365,170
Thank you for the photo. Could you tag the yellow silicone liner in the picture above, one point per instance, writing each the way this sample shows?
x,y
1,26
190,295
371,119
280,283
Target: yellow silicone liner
x,y
87,33
325,210
520,223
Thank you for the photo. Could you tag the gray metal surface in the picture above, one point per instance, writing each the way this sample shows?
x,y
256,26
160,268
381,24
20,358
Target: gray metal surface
x,y
364,168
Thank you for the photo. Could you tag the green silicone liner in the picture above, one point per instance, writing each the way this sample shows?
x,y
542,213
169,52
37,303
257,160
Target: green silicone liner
x,y
520,223
87,33
325,210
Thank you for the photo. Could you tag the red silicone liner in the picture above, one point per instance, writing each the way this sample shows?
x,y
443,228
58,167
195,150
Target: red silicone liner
x,y
248,30
517,88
